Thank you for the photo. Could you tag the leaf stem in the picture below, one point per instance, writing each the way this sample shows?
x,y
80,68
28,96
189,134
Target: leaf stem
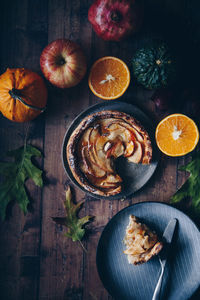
x,y
25,145
26,135
83,246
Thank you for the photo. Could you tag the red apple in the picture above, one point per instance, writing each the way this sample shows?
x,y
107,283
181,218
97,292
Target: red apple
x,y
63,63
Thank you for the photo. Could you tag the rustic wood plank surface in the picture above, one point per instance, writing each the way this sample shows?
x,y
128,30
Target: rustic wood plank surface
x,y
36,260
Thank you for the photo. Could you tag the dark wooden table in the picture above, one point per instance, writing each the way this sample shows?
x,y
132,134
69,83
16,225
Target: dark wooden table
x,y
36,260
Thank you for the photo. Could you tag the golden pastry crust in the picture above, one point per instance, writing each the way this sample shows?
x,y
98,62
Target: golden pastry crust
x,y
97,141
141,242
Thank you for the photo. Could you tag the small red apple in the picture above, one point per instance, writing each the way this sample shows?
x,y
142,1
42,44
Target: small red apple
x,y
63,63
113,20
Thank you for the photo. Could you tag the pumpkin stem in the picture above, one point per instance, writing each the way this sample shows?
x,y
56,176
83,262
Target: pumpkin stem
x,y
158,61
16,94
116,16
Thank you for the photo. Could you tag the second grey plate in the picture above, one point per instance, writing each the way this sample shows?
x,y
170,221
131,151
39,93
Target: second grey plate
x,y
128,282
134,176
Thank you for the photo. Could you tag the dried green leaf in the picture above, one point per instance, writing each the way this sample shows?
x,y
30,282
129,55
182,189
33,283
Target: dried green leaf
x,y
74,224
14,176
191,188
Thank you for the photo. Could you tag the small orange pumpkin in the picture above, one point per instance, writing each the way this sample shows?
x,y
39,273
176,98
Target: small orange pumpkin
x,y
23,95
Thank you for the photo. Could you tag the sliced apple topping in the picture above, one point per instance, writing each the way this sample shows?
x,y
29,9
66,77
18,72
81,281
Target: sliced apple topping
x,y
91,168
137,154
102,142
107,146
94,134
129,149
132,129
113,178
116,150
100,154
134,132
85,138
106,122
111,181
118,139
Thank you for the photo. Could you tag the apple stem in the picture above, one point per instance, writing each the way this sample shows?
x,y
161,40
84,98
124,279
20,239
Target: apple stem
x,y
61,61
116,16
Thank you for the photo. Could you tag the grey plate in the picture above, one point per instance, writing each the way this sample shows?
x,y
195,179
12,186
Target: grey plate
x,y
128,282
134,176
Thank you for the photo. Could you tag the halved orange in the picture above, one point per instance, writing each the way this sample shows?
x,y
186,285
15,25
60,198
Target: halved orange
x,y
109,78
177,135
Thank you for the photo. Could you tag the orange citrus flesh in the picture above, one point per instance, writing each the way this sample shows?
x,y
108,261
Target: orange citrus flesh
x,y
109,78
177,135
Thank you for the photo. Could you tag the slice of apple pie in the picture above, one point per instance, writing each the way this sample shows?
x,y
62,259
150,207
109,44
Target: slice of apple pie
x,y
100,139
141,242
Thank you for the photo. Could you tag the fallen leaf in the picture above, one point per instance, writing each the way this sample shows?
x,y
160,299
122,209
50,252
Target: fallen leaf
x,y
14,176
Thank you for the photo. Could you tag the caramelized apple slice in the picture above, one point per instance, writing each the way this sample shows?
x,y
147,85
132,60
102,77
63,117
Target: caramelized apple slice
x,y
118,132
94,134
107,146
107,122
109,186
137,154
85,137
137,135
101,142
93,157
116,150
132,131
112,191
129,149
96,145
90,167
119,149
96,181
110,181
113,178
100,155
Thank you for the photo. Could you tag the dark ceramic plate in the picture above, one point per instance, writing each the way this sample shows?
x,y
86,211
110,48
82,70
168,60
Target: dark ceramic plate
x,y
134,176
127,282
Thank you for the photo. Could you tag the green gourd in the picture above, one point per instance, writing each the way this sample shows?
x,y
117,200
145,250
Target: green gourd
x,y
154,66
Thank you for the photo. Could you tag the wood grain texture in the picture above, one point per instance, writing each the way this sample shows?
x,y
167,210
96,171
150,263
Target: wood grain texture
x,y
36,260
20,235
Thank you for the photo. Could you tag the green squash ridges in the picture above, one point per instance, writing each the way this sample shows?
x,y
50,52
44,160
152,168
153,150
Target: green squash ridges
x,y
154,66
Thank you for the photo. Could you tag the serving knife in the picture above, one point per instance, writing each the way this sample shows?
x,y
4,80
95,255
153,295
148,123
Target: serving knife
x,y
167,238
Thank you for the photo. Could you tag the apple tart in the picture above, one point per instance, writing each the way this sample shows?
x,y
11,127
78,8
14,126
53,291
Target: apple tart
x,y
98,141
141,242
